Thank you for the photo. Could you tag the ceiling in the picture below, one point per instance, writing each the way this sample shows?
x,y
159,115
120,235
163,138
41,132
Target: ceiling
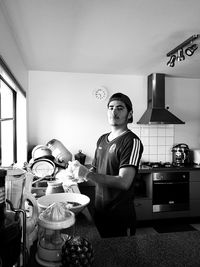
x,y
104,36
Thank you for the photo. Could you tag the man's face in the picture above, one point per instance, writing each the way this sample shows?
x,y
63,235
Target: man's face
x,y
117,113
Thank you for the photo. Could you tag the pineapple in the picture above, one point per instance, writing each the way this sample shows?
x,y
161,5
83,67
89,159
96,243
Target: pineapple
x,y
77,252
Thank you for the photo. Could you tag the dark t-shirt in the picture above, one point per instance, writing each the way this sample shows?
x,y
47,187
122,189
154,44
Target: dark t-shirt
x,y
124,151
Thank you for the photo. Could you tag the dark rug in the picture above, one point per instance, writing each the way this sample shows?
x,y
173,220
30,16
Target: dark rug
x,y
171,227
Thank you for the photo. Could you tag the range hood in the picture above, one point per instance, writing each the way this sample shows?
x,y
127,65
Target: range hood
x,y
156,112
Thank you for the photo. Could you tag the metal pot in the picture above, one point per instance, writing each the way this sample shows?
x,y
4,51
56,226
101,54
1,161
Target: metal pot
x,y
180,155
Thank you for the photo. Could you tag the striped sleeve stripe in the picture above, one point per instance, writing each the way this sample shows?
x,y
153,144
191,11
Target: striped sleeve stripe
x,y
135,152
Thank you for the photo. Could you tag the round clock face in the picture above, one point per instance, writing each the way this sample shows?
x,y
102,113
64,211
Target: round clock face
x,y
100,93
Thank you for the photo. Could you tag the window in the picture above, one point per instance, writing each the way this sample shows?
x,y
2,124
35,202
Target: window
x,y
12,118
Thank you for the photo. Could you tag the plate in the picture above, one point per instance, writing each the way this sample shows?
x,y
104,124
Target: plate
x,y
43,168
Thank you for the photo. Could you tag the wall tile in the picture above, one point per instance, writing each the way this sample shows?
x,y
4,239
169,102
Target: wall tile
x,y
153,150
153,131
161,131
158,141
161,140
170,131
161,150
153,141
145,140
169,141
153,158
144,131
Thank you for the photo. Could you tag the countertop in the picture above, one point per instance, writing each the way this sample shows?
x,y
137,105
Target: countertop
x,y
169,169
180,249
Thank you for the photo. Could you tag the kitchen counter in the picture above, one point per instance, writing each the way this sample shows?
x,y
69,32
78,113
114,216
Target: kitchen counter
x,y
156,250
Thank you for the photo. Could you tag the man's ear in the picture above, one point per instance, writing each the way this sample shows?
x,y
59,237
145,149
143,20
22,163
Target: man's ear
x,y
130,114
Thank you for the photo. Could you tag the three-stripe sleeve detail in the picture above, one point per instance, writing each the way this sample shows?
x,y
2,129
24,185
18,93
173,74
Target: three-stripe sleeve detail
x,y
135,154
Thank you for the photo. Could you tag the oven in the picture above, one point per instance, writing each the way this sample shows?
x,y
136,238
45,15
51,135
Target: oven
x,y
170,191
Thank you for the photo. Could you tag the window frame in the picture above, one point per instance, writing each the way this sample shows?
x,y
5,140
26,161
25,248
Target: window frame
x,y
8,72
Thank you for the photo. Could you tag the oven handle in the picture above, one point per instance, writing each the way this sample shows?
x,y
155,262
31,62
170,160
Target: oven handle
x,y
167,182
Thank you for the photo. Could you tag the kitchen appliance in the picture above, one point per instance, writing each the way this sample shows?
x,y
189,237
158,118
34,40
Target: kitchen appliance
x,y
12,228
156,112
196,156
170,191
180,155
56,226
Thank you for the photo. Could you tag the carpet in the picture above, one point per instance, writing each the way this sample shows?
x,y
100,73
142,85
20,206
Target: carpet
x,y
173,227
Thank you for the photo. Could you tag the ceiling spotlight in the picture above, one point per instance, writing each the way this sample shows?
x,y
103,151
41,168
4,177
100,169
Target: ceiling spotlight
x,y
171,62
180,55
179,50
190,50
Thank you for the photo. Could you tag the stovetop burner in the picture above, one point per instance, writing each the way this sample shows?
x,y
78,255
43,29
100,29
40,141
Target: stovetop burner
x,y
156,165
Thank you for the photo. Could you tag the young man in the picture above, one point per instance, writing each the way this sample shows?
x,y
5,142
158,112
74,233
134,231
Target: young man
x,y
115,166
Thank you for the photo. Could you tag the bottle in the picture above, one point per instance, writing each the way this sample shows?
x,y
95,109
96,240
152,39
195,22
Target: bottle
x,y
80,157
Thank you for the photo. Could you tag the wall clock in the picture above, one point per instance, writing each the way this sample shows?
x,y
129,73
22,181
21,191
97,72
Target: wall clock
x,y
100,93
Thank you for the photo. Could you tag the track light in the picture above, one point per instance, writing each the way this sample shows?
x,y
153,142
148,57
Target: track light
x,y
180,55
179,50
171,62
190,50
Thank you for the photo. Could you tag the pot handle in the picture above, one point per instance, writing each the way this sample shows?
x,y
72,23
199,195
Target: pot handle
x,y
31,221
182,144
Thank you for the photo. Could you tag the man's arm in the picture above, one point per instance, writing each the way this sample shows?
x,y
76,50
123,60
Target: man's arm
x,y
122,181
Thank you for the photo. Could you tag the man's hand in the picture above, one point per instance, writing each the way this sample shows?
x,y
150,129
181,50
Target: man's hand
x,y
78,171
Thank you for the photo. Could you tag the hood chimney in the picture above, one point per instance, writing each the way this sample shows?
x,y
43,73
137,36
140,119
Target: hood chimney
x,y
156,112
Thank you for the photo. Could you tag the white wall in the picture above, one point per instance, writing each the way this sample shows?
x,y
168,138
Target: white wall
x,y
62,106
10,52
183,98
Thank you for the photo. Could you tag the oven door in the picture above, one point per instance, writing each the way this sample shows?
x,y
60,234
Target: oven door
x,y
169,195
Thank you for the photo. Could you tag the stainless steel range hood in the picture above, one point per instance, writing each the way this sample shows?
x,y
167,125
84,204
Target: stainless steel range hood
x,y
156,112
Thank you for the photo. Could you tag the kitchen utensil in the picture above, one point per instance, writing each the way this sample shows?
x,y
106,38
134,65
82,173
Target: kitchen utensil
x,y
60,152
43,168
83,200
56,226
196,156
180,155
41,151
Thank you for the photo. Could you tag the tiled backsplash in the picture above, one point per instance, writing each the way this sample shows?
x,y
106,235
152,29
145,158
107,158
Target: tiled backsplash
x,y
158,141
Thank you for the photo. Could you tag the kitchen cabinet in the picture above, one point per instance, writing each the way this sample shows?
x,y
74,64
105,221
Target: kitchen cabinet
x,y
195,193
88,189
143,209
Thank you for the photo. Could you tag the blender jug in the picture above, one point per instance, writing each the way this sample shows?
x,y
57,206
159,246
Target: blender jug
x,y
18,192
